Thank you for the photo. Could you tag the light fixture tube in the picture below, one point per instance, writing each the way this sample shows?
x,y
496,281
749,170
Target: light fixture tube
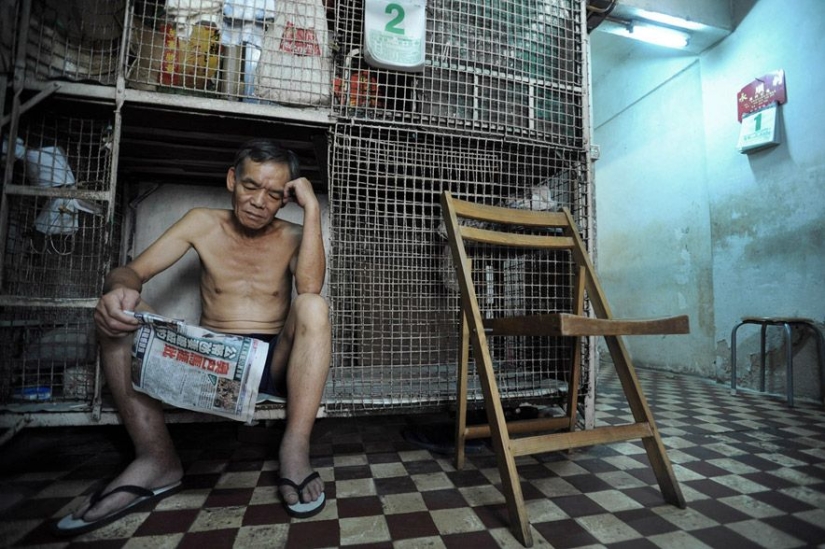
x,y
669,20
661,36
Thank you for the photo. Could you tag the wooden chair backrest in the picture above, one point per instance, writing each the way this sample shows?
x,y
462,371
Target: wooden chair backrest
x,y
557,231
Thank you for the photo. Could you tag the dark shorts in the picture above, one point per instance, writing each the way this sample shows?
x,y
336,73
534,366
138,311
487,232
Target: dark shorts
x,y
267,384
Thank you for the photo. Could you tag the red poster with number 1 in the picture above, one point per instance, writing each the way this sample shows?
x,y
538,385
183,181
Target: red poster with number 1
x,y
760,93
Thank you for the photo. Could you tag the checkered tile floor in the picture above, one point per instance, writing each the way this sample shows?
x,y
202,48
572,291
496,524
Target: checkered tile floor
x,y
752,471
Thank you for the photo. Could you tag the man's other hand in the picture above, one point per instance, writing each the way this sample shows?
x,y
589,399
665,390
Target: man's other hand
x,y
109,316
300,191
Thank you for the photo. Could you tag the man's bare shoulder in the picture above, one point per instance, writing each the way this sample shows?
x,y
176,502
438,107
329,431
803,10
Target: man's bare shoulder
x,y
202,219
289,230
199,215
289,226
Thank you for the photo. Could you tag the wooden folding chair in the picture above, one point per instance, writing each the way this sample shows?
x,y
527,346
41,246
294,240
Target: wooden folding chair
x,y
545,231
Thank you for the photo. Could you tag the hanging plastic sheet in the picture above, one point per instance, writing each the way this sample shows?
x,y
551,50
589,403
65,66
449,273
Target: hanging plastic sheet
x,y
295,65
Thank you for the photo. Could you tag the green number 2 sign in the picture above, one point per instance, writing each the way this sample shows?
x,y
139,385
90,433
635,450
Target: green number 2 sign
x,y
392,25
395,33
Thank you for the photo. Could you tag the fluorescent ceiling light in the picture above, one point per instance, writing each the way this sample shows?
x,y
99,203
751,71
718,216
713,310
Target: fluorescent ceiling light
x,y
669,20
661,36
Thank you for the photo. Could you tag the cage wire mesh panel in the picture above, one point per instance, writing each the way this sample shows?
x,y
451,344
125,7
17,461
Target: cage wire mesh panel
x,y
75,40
48,355
393,290
57,244
249,50
500,66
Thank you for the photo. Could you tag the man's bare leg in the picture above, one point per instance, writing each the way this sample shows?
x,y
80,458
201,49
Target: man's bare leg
x,y
302,360
156,462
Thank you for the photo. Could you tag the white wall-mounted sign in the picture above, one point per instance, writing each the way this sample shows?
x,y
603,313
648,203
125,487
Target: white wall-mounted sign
x,y
759,129
395,33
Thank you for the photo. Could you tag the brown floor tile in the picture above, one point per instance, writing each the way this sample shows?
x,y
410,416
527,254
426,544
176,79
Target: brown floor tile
x,y
231,480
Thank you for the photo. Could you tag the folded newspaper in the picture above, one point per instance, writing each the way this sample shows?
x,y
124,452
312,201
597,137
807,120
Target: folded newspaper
x,y
193,368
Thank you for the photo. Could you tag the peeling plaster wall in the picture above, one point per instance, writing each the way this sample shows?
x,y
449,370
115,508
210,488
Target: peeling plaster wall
x,y
653,228
687,224
767,208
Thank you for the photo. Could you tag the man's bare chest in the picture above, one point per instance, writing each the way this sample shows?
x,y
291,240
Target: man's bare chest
x,y
230,263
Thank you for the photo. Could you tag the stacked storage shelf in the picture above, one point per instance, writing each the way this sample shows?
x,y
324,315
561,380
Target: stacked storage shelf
x,y
392,285
59,221
77,41
500,67
498,115
113,97
260,52
57,245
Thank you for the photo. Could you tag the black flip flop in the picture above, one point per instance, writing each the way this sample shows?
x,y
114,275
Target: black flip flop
x,y
303,510
70,526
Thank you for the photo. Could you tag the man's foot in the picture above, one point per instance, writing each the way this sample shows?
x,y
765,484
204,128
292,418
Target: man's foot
x,y
72,526
298,484
296,507
150,473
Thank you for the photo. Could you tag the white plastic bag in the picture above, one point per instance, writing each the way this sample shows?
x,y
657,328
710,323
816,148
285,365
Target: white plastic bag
x,y
295,65
19,149
187,13
192,7
249,10
59,217
243,22
49,167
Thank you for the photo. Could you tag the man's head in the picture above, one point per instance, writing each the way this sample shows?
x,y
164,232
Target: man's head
x,y
257,180
264,150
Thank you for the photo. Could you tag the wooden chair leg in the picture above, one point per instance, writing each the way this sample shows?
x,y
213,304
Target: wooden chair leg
x,y
653,444
555,433
573,383
461,394
574,379
500,437
510,483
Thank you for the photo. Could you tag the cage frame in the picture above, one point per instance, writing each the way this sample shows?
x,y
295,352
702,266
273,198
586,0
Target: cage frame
x,y
118,95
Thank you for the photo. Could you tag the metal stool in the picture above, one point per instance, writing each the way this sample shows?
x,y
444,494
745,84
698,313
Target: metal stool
x,y
787,323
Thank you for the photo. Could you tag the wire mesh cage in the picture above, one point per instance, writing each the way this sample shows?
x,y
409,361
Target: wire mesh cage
x,y
48,355
55,248
392,286
58,150
501,66
76,40
56,238
249,50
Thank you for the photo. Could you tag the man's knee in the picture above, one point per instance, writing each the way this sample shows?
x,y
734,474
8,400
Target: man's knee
x,y
108,342
311,310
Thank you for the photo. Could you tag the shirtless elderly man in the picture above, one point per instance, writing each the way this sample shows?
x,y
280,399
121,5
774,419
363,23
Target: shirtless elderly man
x,y
249,260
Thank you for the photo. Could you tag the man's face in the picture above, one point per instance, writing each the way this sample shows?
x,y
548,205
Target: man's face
x,y
257,192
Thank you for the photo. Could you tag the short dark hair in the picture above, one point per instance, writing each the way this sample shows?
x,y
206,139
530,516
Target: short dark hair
x,y
264,150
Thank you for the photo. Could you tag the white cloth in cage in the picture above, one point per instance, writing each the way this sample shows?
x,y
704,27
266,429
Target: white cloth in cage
x,y
239,35
59,217
48,167
243,21
19,148
249,10
295,65
187,13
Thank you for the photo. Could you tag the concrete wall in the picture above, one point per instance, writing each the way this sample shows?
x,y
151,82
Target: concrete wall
x,y
687,224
